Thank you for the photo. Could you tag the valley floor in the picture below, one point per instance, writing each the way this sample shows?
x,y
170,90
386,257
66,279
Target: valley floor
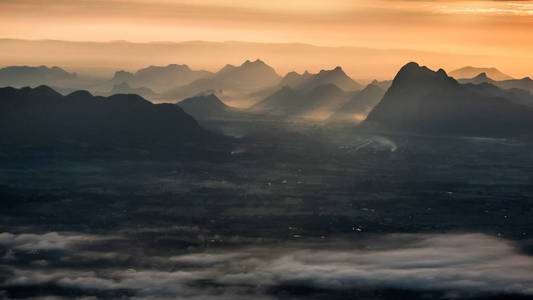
x,y
309,213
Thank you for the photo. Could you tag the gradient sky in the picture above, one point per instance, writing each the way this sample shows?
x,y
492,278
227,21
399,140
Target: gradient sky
x,y
501,28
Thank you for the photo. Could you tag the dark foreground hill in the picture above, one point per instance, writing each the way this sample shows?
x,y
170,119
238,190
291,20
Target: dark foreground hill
x,y
206,107
421,100
43,121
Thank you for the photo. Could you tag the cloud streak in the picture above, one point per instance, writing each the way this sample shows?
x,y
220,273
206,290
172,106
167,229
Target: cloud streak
x,y
465,264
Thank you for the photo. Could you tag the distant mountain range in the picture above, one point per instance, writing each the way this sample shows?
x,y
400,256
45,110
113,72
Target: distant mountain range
x,y
308,96
469,72
523,84
421,100
19,76
250,76
307,81
40,118
159,78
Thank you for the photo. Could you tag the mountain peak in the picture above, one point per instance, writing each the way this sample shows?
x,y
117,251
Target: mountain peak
x,y
470,72
413,72
482,75
45,91
80,94
336,70
257,62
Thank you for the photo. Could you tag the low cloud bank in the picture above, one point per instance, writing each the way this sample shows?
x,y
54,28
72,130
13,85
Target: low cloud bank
x,y
465,264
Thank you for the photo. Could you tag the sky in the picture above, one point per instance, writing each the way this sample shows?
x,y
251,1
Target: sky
x,y
495,28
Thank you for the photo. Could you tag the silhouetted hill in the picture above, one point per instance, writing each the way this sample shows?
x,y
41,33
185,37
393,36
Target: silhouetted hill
x,y
480,78
124,88
44,120
469,72
249,76
517,96
294,79
384,85
424,101
359,106
335,76
306,82
206,107
523,84
19,76
161,78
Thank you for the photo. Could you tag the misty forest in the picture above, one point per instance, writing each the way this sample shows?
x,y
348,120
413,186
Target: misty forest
x,y
201,178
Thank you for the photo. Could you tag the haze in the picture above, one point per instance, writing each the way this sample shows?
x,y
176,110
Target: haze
x,y
495,33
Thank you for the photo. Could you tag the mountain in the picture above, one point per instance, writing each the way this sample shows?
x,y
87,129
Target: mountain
x,y
384,85
160,78
469,72
335,76
523,84
124,88
43,120
250,76
294,79
478,79
284,102
306,82
318,104
423,101
206,107
358,107
19,76
514,95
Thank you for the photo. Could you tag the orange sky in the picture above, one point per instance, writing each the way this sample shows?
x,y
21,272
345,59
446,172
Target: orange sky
x,y
492,28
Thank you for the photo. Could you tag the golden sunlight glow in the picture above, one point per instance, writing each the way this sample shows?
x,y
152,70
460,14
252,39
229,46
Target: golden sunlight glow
x,y
500,29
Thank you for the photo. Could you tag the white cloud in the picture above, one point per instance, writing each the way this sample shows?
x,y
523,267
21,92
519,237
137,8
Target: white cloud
x,y
464,264
47,241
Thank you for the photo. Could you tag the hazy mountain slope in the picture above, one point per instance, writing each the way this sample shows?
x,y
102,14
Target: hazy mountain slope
x,y
248,77
284,102
523,84
517,96
306,82
421,100
294,79
469,72
161,78
43,118
384,85
358,107
479,78
124,88
318,104
335,76
19,76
